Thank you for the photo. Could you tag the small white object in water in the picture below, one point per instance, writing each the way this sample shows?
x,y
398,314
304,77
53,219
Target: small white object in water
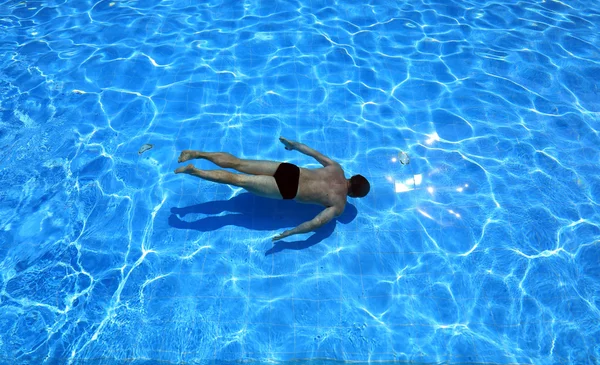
x,y
79,92
145,148
403,157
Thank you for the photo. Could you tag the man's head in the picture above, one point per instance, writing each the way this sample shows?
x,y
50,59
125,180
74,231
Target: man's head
x,y
358,186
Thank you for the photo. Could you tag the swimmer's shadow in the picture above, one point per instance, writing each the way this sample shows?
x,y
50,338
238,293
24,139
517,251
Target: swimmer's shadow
x,y
257,213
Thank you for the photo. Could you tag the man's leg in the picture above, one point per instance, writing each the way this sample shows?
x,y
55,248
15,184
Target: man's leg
x,y
229,161
257,184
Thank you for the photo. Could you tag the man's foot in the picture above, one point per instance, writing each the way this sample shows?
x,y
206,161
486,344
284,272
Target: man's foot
x,y
185,169
187,155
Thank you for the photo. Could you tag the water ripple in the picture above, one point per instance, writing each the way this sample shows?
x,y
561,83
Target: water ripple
x,y
483,249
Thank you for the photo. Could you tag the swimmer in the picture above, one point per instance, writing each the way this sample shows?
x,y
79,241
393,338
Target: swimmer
x,y
326,186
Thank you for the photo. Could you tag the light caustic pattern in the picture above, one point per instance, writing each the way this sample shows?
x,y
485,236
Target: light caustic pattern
x,y
484,248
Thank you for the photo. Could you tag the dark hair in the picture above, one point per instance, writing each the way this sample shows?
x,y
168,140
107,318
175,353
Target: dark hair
x,y
359,186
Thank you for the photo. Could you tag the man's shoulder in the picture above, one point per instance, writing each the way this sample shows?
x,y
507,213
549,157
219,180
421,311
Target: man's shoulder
x,y
333,170
339,208
334,167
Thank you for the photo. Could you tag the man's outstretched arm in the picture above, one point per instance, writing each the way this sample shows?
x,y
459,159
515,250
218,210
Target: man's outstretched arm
x,y
321,219
292,145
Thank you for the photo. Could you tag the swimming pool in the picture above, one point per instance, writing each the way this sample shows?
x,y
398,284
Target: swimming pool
x,y
483,249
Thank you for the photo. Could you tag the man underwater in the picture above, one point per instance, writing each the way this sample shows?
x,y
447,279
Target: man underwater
x,y
325,186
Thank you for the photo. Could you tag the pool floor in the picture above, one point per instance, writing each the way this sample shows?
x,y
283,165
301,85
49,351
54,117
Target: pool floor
x,y
476,124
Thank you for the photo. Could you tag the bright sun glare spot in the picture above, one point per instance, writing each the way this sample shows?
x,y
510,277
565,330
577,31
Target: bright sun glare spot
x,y
394,159
454,213
418,179
408,184
432,138
401,188
424,213
430,190
459,190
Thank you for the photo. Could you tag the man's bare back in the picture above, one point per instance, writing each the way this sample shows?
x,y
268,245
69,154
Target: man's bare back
x,y
325,186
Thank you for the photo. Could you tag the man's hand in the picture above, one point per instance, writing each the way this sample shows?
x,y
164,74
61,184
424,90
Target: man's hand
x,y
289,145
281,236
300,147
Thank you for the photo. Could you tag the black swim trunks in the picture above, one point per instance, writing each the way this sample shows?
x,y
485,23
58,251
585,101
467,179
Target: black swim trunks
x,y
287,177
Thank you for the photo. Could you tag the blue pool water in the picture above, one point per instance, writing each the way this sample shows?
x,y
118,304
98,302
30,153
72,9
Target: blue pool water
x,y
483,249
